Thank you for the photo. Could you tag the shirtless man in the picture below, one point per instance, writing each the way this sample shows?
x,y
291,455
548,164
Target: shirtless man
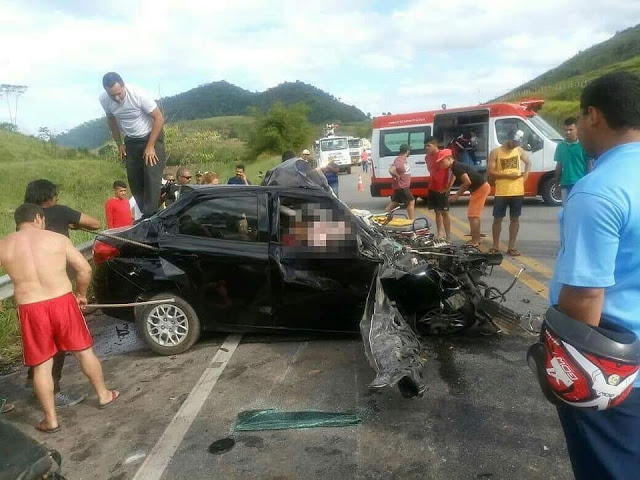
x,y
49,312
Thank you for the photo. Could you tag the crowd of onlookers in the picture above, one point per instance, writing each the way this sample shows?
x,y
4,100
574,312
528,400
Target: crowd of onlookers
x,y
456,163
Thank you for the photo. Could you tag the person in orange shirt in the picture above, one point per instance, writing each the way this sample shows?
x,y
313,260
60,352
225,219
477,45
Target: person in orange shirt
x,y
118,209
504,165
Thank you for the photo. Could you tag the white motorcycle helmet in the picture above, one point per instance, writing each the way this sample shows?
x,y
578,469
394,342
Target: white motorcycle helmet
x,y
584,366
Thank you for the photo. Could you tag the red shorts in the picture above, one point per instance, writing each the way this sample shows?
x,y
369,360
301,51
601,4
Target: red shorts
x,y
51,326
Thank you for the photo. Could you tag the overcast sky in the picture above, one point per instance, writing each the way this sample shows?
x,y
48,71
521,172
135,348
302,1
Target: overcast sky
x,y
396,56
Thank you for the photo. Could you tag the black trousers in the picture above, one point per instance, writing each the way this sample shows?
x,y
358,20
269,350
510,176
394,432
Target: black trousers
x,y
56,372
145,181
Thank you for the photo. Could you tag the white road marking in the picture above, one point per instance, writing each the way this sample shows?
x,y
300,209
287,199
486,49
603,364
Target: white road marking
x,y
163,451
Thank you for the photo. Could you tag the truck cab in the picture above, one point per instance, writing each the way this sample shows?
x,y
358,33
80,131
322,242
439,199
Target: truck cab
x,y
334,148
356,147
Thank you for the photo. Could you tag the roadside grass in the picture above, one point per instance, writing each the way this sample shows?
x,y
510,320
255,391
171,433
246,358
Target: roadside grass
x,y
84,184
237,126
555,111
226,170
10,347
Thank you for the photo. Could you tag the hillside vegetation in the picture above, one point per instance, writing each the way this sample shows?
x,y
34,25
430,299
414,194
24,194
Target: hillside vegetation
x,y
561,86
84,179
224,99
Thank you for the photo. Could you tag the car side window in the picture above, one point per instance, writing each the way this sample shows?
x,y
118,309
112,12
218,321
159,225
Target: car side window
x,y
315,225
531,142
227,218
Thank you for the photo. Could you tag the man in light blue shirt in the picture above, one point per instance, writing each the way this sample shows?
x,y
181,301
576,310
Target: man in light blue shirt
x,y
597,274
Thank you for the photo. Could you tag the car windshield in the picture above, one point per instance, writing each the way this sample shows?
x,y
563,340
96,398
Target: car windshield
x,y
546,129
331,144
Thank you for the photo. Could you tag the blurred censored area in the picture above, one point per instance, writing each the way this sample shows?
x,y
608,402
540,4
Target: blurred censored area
x,y
315,227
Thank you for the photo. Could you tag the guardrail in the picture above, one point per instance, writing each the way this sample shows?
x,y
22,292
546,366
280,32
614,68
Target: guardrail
x,y
6,285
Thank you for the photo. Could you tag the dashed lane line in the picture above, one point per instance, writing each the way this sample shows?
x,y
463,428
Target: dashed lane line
x,y
163,451
528,261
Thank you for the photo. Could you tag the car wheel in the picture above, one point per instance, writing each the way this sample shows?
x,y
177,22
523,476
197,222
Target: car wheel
x,y
168,328
551,194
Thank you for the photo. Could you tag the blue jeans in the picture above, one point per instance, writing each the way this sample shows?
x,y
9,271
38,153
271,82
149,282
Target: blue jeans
x,y
604,444
334,187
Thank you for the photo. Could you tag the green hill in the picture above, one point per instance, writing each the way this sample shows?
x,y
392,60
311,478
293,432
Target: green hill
x,y
561,86
224,99
84,179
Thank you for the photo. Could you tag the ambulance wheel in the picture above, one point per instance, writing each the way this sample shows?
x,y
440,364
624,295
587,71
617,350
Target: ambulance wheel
x,y
550,192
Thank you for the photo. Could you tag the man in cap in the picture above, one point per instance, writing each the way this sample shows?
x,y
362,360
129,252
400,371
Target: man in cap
x,y
400,183
505,167
438,188
306,155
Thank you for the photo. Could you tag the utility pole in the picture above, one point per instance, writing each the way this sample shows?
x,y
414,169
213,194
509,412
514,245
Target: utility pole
x,y
17,90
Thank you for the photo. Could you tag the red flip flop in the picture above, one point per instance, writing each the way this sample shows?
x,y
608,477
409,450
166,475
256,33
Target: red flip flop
x,y
114,395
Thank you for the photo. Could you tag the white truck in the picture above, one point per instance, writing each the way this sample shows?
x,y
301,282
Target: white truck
x,y
334,148
356,147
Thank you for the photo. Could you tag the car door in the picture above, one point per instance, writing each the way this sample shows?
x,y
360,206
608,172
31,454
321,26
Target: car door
x,y
221,242
319,280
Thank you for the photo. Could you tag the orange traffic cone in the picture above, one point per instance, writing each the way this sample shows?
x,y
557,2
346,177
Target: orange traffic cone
x,y
360,185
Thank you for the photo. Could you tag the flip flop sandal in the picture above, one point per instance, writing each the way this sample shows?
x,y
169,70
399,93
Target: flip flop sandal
x,y
114,395
513,252
494,250
42,429
6,407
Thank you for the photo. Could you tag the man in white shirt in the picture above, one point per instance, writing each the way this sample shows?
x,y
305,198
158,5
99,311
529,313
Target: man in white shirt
x,y
136,113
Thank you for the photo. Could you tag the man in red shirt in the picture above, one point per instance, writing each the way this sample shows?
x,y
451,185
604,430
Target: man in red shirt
x,y
438,194
117,208
400,183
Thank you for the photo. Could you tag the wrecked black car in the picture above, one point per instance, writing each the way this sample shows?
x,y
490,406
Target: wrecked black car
x,y
237,258
288,255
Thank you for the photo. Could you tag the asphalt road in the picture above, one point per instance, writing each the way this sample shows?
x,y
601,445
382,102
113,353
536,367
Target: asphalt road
x,y
481,417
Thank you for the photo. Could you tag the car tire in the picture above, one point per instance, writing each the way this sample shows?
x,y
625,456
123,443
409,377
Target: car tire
x,y
550,194
168,328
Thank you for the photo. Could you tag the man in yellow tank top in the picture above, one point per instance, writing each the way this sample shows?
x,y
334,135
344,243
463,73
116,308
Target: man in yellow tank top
x,y
505,167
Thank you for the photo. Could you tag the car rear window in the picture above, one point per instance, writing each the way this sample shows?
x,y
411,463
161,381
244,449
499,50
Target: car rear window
x,y
227,218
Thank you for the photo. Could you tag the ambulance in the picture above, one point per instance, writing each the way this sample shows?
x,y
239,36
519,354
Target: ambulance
x,y
491,124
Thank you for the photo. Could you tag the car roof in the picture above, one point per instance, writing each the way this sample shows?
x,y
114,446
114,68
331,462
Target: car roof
x,y
204,189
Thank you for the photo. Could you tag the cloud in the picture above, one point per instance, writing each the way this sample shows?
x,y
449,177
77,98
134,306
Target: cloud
x,y
381,56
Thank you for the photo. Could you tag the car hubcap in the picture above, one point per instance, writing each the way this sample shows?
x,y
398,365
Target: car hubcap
x,y
167,325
